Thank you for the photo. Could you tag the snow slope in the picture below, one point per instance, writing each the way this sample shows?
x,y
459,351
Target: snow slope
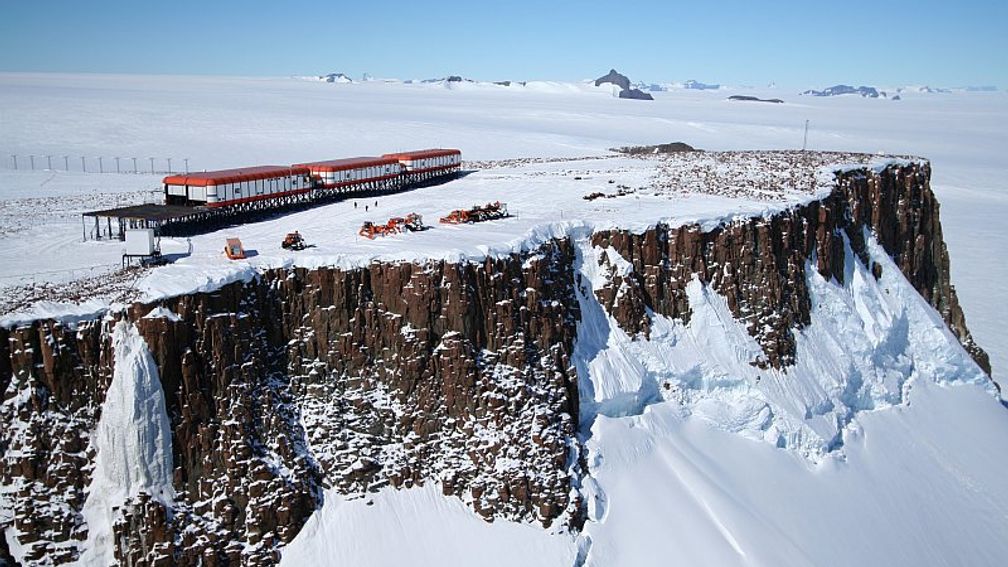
x,y
419,526
921,485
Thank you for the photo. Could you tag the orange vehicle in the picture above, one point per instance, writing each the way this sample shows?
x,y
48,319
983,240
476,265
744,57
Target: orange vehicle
x,y
478,213
411,222
234,249
294,241
371,230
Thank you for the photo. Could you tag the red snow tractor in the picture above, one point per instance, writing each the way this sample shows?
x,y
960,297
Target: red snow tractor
x,y
478,213
411,222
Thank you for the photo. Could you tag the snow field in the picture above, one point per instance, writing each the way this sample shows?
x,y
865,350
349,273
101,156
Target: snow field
x,y
419,526
919,486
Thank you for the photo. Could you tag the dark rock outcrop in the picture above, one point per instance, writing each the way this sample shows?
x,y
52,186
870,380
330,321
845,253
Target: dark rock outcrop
x,y
747,98
335,78
615,78
669,148
635,94
758,264
835,90
621,81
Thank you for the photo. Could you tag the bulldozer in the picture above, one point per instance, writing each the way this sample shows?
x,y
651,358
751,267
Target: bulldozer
x,y
371,230
294,241
411,222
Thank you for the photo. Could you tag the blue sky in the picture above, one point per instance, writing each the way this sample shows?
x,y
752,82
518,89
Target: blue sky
x,y
736,42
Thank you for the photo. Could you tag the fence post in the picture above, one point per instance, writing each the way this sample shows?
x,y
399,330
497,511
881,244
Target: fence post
x,y
32,158
66,162
49,162
15,161
101,166
117,164
83,164
134,166
152,165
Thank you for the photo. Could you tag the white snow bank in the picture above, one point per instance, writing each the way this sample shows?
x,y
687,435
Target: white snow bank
x,y
67,313
867,341
419,526
133,443
922,485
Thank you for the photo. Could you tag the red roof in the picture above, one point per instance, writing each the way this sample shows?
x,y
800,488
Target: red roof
x,y
421,154
348,163
204,178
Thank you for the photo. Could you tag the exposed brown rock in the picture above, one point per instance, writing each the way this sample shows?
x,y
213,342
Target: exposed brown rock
x,y
56,378
758,264
395,374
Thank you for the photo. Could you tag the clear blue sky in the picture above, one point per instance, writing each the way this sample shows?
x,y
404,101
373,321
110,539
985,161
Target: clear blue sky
x,y
810,43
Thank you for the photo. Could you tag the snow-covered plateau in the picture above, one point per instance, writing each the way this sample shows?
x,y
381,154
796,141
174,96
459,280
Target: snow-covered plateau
x,y
750,355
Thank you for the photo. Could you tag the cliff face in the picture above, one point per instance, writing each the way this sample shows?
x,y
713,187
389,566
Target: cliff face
x,y
303,380
759,264
402,374
54,381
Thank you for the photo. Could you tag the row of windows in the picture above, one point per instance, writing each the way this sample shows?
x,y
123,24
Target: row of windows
x,y
244,189
359,173
228,191
439,161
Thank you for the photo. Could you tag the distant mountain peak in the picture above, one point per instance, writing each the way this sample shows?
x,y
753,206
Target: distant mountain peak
x,y
698,86
335,78
621,81
836,90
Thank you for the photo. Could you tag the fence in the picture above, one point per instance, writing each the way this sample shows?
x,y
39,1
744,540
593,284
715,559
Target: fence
x,y
100,164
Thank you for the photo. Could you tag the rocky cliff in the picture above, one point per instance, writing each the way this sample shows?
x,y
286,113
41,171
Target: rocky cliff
x,y
392,375
759,264
397,375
